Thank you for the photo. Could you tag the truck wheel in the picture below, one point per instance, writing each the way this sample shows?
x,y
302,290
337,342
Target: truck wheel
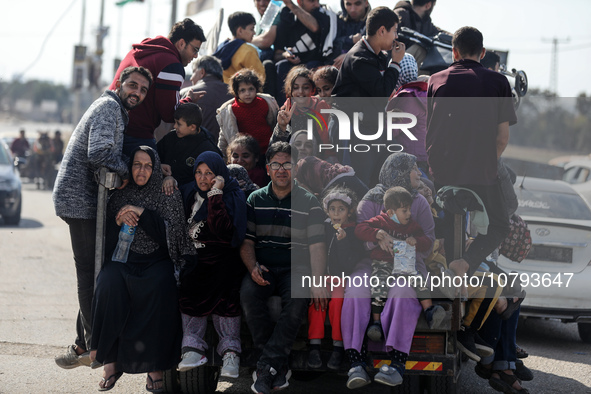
x,y
170,381
585,332
201,380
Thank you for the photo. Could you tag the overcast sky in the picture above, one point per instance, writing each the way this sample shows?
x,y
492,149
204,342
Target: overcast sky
x,y
38,36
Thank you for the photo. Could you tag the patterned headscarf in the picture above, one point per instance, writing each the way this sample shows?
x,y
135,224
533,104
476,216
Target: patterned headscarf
x,y
241,174
317,174
409,71
169,208
233,197
395,172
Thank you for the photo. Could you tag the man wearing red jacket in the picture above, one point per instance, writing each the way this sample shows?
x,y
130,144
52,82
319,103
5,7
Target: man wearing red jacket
x,y
166,58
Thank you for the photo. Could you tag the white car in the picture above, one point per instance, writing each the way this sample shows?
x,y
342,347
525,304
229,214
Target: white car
x,y
557,272
578,174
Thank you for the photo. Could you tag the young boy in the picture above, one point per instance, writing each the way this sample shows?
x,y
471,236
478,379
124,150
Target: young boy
x,y
396,222
366,71
179,148
237,54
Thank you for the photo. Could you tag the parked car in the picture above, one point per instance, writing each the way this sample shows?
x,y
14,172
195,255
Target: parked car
x,y
557,272
10,187
578,174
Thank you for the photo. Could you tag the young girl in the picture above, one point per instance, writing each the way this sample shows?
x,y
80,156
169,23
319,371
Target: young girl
x,y
300,106
344,251
245,151
324,79
249,112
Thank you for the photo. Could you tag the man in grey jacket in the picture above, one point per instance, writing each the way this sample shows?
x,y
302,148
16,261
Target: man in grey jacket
x,y
96,142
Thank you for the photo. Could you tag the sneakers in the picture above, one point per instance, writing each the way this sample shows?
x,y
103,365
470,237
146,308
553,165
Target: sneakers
x,y
374,331
314,358
263,380
466,343
281,380
71,359
483,349
191,360
358,377
231,367
336,357
388,376
434,316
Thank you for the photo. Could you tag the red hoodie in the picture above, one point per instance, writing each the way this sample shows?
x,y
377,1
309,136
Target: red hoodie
x,y
161,57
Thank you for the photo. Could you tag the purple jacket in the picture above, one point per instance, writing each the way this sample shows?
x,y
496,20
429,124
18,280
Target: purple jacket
x,y
412,98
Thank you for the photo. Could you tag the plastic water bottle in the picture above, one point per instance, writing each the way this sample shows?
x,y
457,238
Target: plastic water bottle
x,y
270,13
125,238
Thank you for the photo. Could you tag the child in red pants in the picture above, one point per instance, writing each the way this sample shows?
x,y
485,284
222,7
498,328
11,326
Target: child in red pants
x,y
344,251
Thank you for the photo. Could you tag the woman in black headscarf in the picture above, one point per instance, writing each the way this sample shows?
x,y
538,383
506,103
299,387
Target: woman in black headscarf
x,y
136,324
216,211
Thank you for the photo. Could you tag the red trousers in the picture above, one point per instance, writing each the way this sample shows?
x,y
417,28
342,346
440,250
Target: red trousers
x,y
316,318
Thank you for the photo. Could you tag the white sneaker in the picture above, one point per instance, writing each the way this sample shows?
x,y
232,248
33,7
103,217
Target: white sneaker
x,y
231,367
191,360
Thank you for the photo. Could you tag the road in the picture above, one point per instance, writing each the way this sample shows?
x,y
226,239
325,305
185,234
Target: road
x,y
38,308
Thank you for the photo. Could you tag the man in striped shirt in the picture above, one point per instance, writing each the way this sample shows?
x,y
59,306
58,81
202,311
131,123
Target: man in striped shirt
x,y
284,241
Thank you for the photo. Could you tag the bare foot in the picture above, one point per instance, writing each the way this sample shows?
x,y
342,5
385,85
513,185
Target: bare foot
x,y
110,376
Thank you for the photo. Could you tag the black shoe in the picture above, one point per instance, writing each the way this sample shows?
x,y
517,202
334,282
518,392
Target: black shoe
x,y
522,372
263,380
484,373
336,357
483,349
314,358
520,353
466,343
281,380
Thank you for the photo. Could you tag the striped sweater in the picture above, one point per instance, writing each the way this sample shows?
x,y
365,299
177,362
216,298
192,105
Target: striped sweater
x,y
284,229
96,142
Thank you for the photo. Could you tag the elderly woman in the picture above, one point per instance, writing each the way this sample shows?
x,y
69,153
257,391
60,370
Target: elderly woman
x,y
216,211
241,175
317,176
402,309
136,322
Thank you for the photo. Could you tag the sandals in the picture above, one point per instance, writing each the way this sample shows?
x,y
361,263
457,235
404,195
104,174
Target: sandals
x,y
152,383
504,383
512,306
520,353
115,377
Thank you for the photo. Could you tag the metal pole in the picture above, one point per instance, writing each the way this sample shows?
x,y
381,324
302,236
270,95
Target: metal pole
x,y
173,14
83,22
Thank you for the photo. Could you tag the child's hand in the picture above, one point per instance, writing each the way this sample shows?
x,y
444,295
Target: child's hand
x,y
166,170
169,185
341,234
412,241
284,115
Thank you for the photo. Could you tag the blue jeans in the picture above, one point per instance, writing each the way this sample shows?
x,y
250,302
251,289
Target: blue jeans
x,y
275,340
83,237
500,335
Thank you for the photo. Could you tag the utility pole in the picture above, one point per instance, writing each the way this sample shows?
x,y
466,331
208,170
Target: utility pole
x,y
173,14
554,62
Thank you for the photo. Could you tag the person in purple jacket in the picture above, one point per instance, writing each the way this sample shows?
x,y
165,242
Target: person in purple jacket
x,y
402,309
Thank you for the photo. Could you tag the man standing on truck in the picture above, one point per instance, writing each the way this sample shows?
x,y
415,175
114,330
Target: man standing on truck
x,y
96,142
282,245
166,58
469,112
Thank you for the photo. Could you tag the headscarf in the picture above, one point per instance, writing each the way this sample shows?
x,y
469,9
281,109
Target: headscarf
x,y
169,208
317,174
409,71
296,134
394,172
240,174
233,197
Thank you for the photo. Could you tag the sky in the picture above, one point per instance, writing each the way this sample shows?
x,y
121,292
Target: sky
x,y
37,37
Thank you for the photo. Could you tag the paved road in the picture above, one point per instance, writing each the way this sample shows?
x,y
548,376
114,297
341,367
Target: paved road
x,y
38,306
